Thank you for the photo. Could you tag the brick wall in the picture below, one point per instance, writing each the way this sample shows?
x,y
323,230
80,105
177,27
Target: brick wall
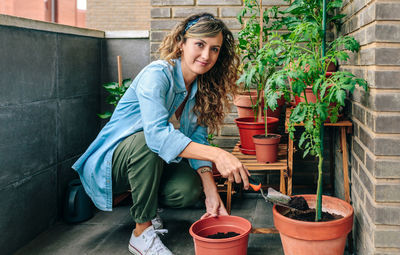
x,y
118,14
375,143
34,9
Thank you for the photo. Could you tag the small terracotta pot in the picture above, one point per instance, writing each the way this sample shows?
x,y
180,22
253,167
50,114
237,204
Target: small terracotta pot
x,y
266,147
315,238
248,128
236,245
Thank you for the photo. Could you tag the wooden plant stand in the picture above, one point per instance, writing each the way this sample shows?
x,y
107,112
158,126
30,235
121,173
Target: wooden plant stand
x,y
344,126
256,168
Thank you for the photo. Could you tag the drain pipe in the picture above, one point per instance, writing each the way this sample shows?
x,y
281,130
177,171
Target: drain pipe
x,y
53,11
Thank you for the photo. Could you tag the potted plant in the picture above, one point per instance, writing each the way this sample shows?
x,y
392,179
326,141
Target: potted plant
x,y
116,91
266,144
304,49
254,74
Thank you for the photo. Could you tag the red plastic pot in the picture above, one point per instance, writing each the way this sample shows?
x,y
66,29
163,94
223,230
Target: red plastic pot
x,y
266,147
248,128
236,245
315,238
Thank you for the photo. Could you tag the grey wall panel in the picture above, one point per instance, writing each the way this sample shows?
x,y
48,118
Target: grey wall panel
x,y
28,141
78,125
134,54
27,65
27,208
79,65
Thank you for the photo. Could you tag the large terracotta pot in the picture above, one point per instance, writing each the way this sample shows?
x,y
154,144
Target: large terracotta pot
x,y
248,128
266,147
315,238
244,102
236,245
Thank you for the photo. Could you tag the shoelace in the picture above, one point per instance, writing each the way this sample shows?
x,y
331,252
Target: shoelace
x,y
155,240
161,231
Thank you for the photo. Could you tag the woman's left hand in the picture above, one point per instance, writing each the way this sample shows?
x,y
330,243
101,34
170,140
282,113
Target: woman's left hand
x,y
214,206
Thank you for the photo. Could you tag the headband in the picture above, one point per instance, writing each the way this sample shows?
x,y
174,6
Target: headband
x,y
193,22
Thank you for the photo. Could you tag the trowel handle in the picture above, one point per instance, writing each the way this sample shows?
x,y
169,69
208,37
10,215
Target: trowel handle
x,y
256,186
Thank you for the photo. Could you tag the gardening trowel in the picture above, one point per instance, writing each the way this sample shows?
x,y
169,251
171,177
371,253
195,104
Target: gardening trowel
x,y
276,197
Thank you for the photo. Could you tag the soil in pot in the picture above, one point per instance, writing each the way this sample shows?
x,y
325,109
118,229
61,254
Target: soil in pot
x,y
307,214
268,136
221,235
299,203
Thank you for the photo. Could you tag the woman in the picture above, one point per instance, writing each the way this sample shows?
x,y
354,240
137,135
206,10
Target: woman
x,y
161,119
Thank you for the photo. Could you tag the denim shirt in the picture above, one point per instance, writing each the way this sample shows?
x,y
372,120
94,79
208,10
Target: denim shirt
x,y
149,102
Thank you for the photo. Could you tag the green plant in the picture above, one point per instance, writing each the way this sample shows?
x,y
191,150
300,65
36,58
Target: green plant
x,y
115,93
305,63
210,139
255,70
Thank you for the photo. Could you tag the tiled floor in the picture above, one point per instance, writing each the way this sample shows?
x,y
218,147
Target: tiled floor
x,y
109,232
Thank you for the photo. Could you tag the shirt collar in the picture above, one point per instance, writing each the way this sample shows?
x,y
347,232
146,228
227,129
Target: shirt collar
x,y
178,76
180,82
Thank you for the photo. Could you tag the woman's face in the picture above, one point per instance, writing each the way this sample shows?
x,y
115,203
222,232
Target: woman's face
x,y
199,55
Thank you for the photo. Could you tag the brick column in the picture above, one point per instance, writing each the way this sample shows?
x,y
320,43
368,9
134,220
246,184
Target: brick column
x,y
375,143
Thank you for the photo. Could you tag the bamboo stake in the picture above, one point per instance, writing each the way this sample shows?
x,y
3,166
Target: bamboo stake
x,y
260,108
261,24
119,71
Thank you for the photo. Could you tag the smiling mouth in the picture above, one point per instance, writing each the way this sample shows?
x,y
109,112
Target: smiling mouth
x,y
202,63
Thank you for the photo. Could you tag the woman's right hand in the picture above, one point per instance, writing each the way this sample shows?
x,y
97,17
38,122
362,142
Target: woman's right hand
x,y
231,168
228,165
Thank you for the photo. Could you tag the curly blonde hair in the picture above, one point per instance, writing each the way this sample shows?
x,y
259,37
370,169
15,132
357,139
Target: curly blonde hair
x,y
217,86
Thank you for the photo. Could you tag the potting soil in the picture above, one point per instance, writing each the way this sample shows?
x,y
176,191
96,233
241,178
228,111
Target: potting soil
x,y
299,203
309,215
221,235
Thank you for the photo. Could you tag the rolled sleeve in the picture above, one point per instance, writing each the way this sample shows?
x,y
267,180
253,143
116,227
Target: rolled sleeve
x,y
160,135
199,136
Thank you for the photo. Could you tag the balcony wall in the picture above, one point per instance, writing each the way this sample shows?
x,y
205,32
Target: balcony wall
x,y
51,91
375,147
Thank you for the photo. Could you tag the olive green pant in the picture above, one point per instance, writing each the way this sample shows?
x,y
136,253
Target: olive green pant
x,y
152,181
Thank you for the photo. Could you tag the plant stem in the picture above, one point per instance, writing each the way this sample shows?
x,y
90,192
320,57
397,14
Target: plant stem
x,y
265,117
318,208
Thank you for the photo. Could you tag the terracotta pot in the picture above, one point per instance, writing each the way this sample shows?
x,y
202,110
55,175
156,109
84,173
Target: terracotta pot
x,y
266,147
311,98
248,128
236,245
244,102
332,67
315,238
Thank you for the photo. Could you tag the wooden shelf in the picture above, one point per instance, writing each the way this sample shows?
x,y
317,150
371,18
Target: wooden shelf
x,y
251,163
258,168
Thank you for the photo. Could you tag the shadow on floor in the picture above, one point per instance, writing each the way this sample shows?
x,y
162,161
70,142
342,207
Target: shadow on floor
x,y
109,232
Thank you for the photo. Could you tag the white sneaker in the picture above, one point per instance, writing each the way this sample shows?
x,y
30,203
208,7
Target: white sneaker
x,y
157,222
148,243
